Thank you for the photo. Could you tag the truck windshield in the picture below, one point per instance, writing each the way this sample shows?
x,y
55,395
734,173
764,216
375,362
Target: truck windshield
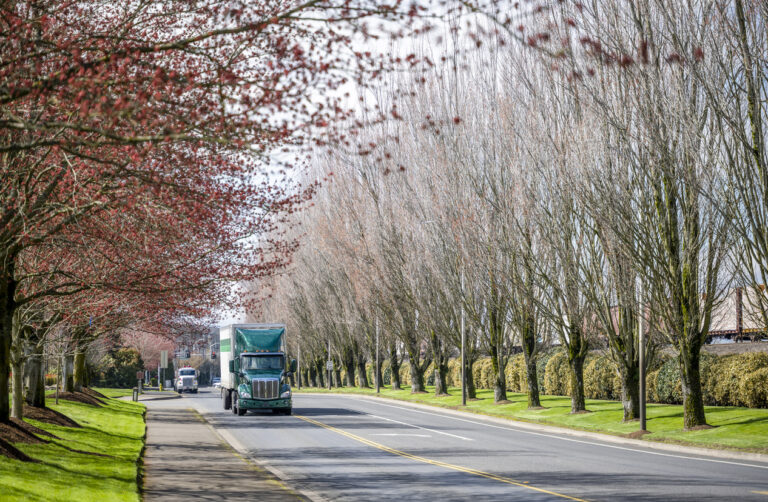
x,y
187,372
262,362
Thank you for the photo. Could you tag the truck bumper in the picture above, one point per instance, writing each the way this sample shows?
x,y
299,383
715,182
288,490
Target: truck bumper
x,y
263,404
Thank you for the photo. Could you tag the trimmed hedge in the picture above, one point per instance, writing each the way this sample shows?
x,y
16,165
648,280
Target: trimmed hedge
x,y
731,380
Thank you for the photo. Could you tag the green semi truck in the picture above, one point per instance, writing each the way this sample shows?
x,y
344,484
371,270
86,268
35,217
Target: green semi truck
x,y
255,374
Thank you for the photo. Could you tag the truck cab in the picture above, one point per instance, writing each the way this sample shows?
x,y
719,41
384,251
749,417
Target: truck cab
x,y
263,382
186,380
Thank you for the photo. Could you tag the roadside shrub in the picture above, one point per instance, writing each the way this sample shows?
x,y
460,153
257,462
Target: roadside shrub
x,y
121,367
541,367
557,379
454,373
725,385
486,372
753,389
50,379
668,387
650,383
600,378
516,374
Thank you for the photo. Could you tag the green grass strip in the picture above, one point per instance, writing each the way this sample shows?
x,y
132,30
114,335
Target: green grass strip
x,y
744,429
115,430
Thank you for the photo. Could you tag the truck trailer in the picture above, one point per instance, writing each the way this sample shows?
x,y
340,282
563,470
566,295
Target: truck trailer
x,y
254,372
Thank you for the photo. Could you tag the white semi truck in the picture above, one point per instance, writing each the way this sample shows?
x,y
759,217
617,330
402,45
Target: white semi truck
x,y
186,380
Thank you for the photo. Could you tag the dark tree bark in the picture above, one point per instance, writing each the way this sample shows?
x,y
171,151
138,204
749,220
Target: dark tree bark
x,y
362,375
530,354
7,307
34,378
394,367
578,401
348,360
440,359
470,377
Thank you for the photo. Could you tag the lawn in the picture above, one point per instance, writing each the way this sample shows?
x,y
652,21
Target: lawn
x,y
733,428
95,462
114,392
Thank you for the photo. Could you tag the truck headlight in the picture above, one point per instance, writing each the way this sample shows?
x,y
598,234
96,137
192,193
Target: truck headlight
x,y
285,395
246,395
194,383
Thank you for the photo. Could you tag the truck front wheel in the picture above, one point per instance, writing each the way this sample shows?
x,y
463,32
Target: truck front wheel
x,y
227,395
236,406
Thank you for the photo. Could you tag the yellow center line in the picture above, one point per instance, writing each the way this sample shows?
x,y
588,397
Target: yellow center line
x,y
759,493
523,484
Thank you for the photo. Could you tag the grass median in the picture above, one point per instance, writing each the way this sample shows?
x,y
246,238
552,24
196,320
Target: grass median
x,y
744,429
96,461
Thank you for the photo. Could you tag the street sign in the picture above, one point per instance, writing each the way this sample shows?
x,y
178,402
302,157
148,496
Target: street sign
x,y
164,359
329,365
139,375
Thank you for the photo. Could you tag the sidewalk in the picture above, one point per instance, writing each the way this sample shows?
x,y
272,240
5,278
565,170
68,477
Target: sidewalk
x,y
185,459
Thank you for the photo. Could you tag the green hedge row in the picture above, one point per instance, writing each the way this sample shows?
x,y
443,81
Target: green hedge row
x,y
732,380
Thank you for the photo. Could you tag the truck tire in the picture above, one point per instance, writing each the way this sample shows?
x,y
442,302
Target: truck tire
x,y
236,408
227,398
288,411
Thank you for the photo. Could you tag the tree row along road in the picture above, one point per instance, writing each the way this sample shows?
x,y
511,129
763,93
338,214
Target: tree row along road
x,y
347,448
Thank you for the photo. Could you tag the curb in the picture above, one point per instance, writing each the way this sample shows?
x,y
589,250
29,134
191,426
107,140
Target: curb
x,y
552,429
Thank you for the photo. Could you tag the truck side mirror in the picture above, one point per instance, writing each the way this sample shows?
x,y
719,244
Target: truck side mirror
x,y
293,366
232,366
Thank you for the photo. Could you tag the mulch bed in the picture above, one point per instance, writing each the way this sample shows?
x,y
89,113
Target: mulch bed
x,y
8,450
13,433
49,416
31,428
79,397
94,393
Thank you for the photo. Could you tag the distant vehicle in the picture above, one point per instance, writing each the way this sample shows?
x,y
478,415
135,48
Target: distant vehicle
x,y
186,381
216,382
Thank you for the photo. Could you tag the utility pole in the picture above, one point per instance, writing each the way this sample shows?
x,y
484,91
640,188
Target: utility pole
x,y
463,351
376,369
641,357
329,365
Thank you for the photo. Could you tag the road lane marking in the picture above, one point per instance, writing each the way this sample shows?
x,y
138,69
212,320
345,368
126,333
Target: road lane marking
x,y
554,436
420,427
438,463
409,435
759,492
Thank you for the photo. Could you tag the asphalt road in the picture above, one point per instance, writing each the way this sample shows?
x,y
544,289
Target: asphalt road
x,y
346,448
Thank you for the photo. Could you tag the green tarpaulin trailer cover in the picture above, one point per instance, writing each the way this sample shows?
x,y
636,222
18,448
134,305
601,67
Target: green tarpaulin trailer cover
x,y
259,340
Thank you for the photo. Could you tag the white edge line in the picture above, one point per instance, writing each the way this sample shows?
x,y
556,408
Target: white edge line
x,y
553,436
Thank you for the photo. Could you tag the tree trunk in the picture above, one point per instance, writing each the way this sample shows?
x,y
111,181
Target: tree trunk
x,y
362,375
417,376
471,389
499,377
337,376
69,383
78,375
394,368
18,387
530,355
348,360
578,403
441,374
693,401
7,307
320,373
377,377
34,378
630,392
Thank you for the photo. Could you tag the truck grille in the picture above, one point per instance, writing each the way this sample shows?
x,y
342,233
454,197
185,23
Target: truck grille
x,y
187,381
265,388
